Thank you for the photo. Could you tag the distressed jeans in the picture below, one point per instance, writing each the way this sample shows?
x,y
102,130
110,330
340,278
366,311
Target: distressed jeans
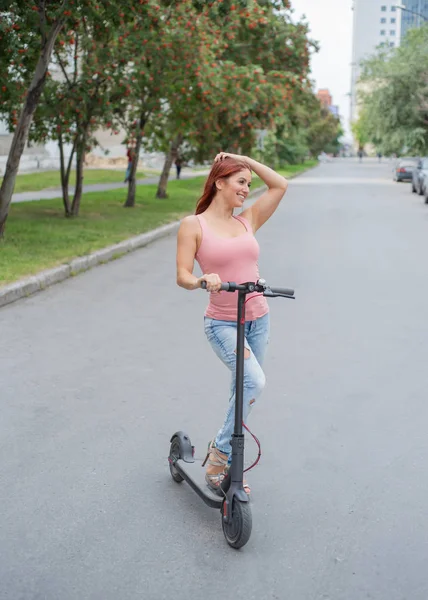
x,y
222,337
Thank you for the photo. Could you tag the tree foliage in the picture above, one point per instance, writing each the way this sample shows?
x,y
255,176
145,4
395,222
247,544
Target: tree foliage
x,y
306,129
188,76
395,96
29,31
77,100
247,80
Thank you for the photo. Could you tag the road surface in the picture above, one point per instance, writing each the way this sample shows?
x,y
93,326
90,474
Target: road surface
x,y
98,372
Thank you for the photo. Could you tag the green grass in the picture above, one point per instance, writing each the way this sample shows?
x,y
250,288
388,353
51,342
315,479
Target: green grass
x,y
38,236
34,182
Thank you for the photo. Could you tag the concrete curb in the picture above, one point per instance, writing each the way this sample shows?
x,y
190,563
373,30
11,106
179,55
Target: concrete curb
x,y
36,283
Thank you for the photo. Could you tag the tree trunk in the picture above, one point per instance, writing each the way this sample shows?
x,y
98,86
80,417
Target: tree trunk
x,y
21,132
132,186
80,157
65,175
170,157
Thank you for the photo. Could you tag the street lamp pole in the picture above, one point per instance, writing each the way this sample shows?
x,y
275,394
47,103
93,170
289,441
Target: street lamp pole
x,y
402,7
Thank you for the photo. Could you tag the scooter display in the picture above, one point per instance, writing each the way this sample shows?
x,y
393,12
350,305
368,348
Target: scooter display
x,y
231,498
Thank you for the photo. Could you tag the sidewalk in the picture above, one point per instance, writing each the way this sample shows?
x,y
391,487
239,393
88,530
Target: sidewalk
x,y
51,194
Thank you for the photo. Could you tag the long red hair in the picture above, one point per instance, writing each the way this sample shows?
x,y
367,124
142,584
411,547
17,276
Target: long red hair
x,y
224,168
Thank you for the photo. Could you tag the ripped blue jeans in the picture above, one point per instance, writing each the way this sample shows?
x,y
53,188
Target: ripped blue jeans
x,y
222,337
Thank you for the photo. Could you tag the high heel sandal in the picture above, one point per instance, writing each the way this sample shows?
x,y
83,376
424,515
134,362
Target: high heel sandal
x,y
215,458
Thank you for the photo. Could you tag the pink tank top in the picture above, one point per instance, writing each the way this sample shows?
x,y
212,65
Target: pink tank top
x,y
233,259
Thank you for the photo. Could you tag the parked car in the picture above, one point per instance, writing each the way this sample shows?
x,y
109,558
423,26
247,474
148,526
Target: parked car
x,y
420,177
403,170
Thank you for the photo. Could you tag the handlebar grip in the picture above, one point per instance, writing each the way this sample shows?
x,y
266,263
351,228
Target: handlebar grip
x,y
224,286
282,291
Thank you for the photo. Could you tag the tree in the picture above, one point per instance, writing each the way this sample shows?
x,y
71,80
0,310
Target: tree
x,y
395,96
306,128
360,130
324,132
77,102
47,20
171,36
246,80
28,33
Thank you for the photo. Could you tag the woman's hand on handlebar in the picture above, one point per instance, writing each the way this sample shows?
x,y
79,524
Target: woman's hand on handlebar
x,y
212,280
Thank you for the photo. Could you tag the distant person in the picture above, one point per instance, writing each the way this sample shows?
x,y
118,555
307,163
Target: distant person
x,y
360,155
130,156
379,155
178,165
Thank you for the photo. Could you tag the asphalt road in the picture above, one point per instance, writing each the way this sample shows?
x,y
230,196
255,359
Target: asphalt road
x,y
98,372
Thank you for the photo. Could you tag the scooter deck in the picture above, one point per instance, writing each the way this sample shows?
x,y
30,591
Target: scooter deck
x,y
194,475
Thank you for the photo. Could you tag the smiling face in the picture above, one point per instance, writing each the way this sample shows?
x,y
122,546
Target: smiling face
x,y
235,188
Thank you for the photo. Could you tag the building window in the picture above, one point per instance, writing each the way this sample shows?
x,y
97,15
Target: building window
x,y
392,32
391,44
393,21
382,32
383,8
383,20
393,8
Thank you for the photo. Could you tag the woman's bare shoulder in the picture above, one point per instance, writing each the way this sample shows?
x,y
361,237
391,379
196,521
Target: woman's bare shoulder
x,y
190,228
190,224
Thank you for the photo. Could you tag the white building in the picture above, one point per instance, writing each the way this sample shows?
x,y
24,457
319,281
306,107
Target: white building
x,y
375,22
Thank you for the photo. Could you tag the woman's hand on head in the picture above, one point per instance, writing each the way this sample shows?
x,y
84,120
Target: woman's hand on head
x,y
212,280
222,155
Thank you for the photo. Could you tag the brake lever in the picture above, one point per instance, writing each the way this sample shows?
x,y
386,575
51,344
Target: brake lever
x,y
279,296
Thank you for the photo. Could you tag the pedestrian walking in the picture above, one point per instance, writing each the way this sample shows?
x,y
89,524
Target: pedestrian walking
x,y
130,155
178,165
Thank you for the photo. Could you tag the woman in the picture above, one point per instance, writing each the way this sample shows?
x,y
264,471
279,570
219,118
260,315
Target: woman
x,y
226,250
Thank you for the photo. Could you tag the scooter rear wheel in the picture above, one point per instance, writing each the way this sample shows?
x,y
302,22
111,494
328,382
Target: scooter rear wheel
x,y
174,454
237,530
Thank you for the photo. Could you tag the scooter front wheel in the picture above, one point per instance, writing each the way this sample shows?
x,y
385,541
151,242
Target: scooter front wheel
x,y
174,455
237,530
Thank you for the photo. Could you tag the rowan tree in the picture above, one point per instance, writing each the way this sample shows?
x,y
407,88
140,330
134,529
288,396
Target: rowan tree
x,y
245,81
28,33
77,102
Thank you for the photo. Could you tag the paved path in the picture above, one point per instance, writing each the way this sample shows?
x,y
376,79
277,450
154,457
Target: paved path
x,y
50,194
97,373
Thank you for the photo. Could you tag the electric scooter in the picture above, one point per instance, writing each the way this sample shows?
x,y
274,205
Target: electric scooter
x,y
231,497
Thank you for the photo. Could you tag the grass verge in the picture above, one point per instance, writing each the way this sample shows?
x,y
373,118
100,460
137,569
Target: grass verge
x,y
38,236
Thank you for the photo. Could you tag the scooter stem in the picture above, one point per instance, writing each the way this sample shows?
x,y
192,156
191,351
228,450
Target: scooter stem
x,y
240,349
233,483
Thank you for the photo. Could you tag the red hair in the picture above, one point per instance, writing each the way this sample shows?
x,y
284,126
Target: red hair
x,y
224,168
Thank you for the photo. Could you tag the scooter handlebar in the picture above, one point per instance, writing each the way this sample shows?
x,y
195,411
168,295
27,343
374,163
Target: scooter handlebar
x,y
229,286
282,291
225,286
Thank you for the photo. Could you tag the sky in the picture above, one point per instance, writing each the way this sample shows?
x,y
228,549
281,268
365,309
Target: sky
x,y
330,23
